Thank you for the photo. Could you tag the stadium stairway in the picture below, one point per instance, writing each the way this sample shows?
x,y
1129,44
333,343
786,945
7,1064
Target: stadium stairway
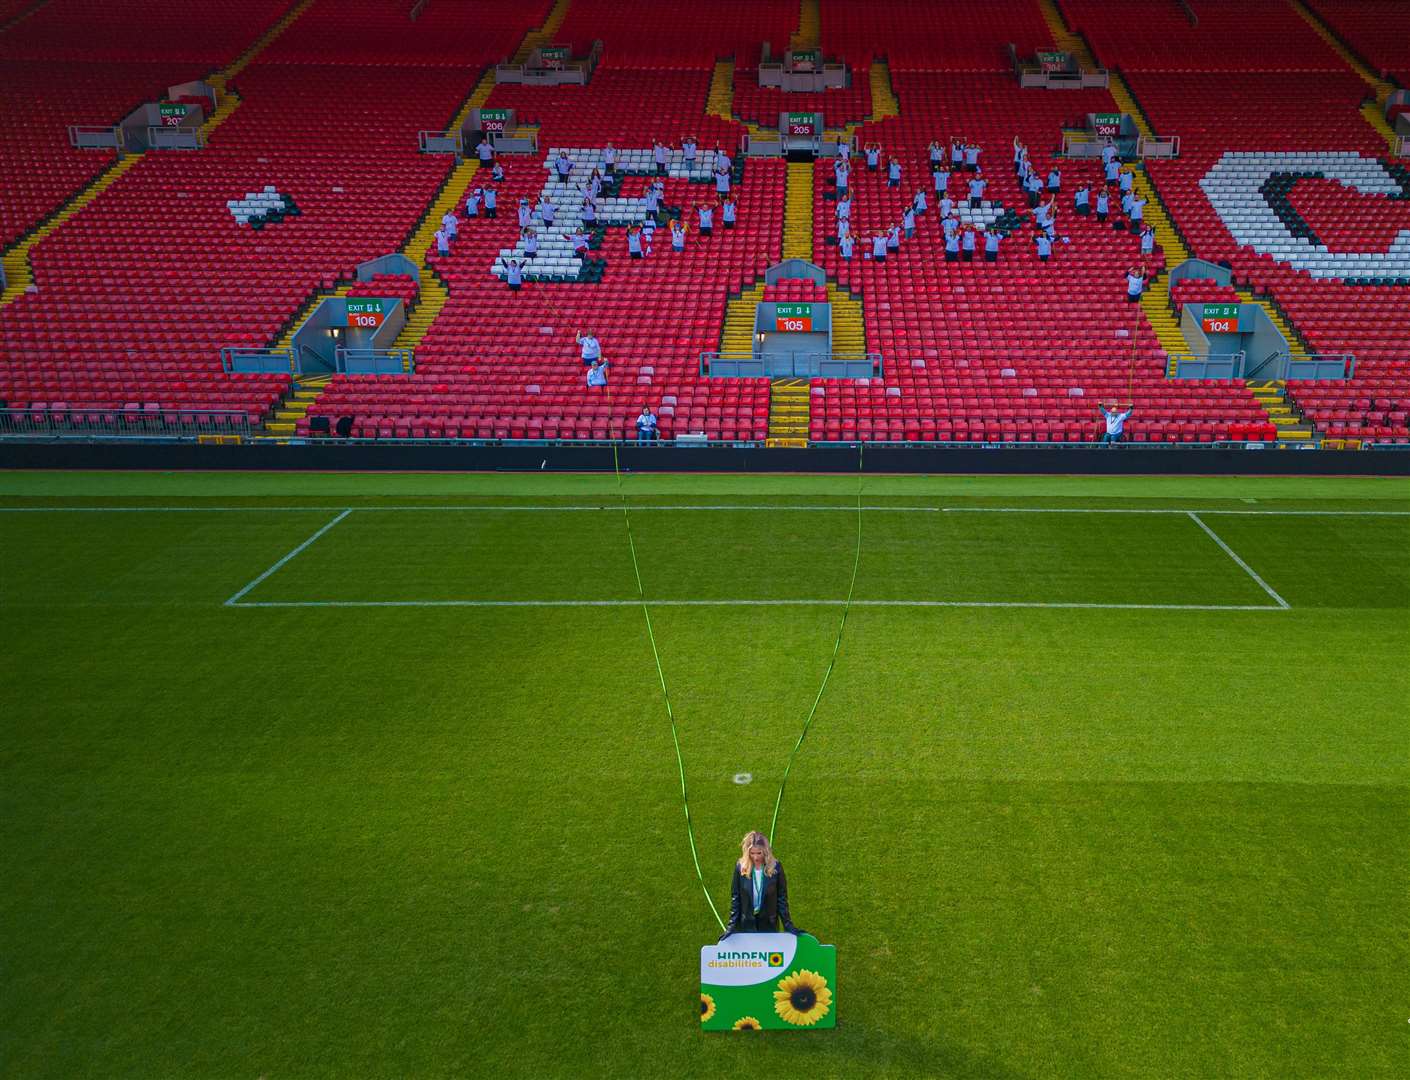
x,y
789,412
719,100
294,406
1272,397
737,334
1372,110
544,34
798,211
22,16
18,273
229,100
809,33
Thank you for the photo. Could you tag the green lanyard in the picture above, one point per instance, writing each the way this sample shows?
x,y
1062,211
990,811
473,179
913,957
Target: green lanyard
x,y
758,890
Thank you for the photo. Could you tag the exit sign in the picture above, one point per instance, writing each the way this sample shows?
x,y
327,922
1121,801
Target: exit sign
x,y
493,119
1220,318
365,314
802,123
554,56
793,318
1107,125
805,59
172,114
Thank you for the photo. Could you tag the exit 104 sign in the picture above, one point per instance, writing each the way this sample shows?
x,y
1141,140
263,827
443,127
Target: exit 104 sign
x,y
793,318
1220,318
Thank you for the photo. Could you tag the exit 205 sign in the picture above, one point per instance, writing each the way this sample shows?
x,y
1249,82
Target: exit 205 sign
x,y
793,318
1219,318
365,314
802,123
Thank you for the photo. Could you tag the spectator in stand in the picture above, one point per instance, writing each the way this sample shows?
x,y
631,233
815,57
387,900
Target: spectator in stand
x,y
1020,154
563,165
843,209
591,347
893,239
497,173
1108,153
634,242
1082,201
956,154
1111,170
841,174
1137,213
1043,242
844,246
729,210
1054,180
893,172
491,203
947,206
1032,188
967,244
941,177
844,229
1103,205
936,154
547,211
442,242
646,425
660,154
678,231
648,233
1147,240
721,180
597,374
472,203
1135,283
485,150
878,247
706,213
976,191
918,201
873,152
526,213
952,243
609,159
688,148
451,224
908,221
1127,180
971,157
514,274
723,159
991,245
1115,422
579,240
531,244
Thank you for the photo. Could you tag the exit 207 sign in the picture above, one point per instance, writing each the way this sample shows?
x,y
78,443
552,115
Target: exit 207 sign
x,y
793,318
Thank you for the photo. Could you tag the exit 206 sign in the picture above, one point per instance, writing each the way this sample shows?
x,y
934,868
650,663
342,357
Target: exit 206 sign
x,y
1220,319
793,318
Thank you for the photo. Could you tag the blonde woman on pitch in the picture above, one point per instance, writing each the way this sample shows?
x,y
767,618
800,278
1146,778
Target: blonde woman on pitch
x,y
758,891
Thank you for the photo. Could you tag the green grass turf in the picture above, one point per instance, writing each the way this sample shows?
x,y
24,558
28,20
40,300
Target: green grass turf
x,y
436,841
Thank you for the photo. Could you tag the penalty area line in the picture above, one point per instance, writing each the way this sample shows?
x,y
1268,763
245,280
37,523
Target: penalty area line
x,y
234,601
1055,605
1243,565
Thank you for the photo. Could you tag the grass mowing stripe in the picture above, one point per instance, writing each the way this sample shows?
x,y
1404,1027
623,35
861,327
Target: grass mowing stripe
x,y
1234,555
273,569
836,647
665,694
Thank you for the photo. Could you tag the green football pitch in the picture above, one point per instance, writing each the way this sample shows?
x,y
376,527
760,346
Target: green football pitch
x,y
371,776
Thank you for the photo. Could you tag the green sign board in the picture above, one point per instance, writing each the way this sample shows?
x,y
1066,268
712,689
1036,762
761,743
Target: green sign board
x,y
554,56
805,59
1107,125
1052,61
366,314
773,982
494,119
1221,311
804,123
171,113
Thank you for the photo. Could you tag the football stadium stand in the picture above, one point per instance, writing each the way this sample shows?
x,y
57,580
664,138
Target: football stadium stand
x,y
1257,137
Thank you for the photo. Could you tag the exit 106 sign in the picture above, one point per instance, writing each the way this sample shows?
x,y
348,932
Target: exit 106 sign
x,y
793,318
1220,318
365,314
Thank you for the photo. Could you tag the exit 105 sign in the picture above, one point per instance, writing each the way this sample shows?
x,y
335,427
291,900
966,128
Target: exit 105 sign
x,y
793,318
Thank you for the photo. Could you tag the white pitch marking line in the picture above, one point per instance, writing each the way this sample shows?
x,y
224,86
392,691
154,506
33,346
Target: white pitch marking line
x,y
234,600
1235,556
776,507
751,603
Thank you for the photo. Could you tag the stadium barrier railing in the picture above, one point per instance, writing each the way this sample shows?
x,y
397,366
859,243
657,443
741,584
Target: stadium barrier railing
x,y
58,421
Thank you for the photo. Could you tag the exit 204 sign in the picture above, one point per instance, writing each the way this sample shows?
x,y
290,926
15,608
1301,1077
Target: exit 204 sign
x,y
1220,319
365,314
793,318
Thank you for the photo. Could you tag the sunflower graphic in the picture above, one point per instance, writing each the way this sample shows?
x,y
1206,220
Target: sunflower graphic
x,y
707,1007
802,998
747,1023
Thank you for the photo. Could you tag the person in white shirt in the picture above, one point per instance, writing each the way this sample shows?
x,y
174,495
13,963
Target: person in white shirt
x,y
723,159
1137,212
873,152
579,240
591,347
646,425
971,157
564,165
878,247
1147,240
721,181
844,246
1135,283
609,159
485,150
634,241
1044,243
442,242
1127,180
497,173
976,192
547,211
947,205
491,203
1108,153
678,231
893,239
660,155
908,221
1115,422
526,213
941,176
531,244
844,228
472,203
706,213
1054,179
893,173
597,374
589,213
991,245
688,147
451,224
956,154
728,211
514,275
843,209
841,174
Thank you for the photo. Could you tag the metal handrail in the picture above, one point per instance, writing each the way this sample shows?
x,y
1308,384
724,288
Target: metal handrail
x,y
58,421
1276,354
377,361
874,360
156,131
